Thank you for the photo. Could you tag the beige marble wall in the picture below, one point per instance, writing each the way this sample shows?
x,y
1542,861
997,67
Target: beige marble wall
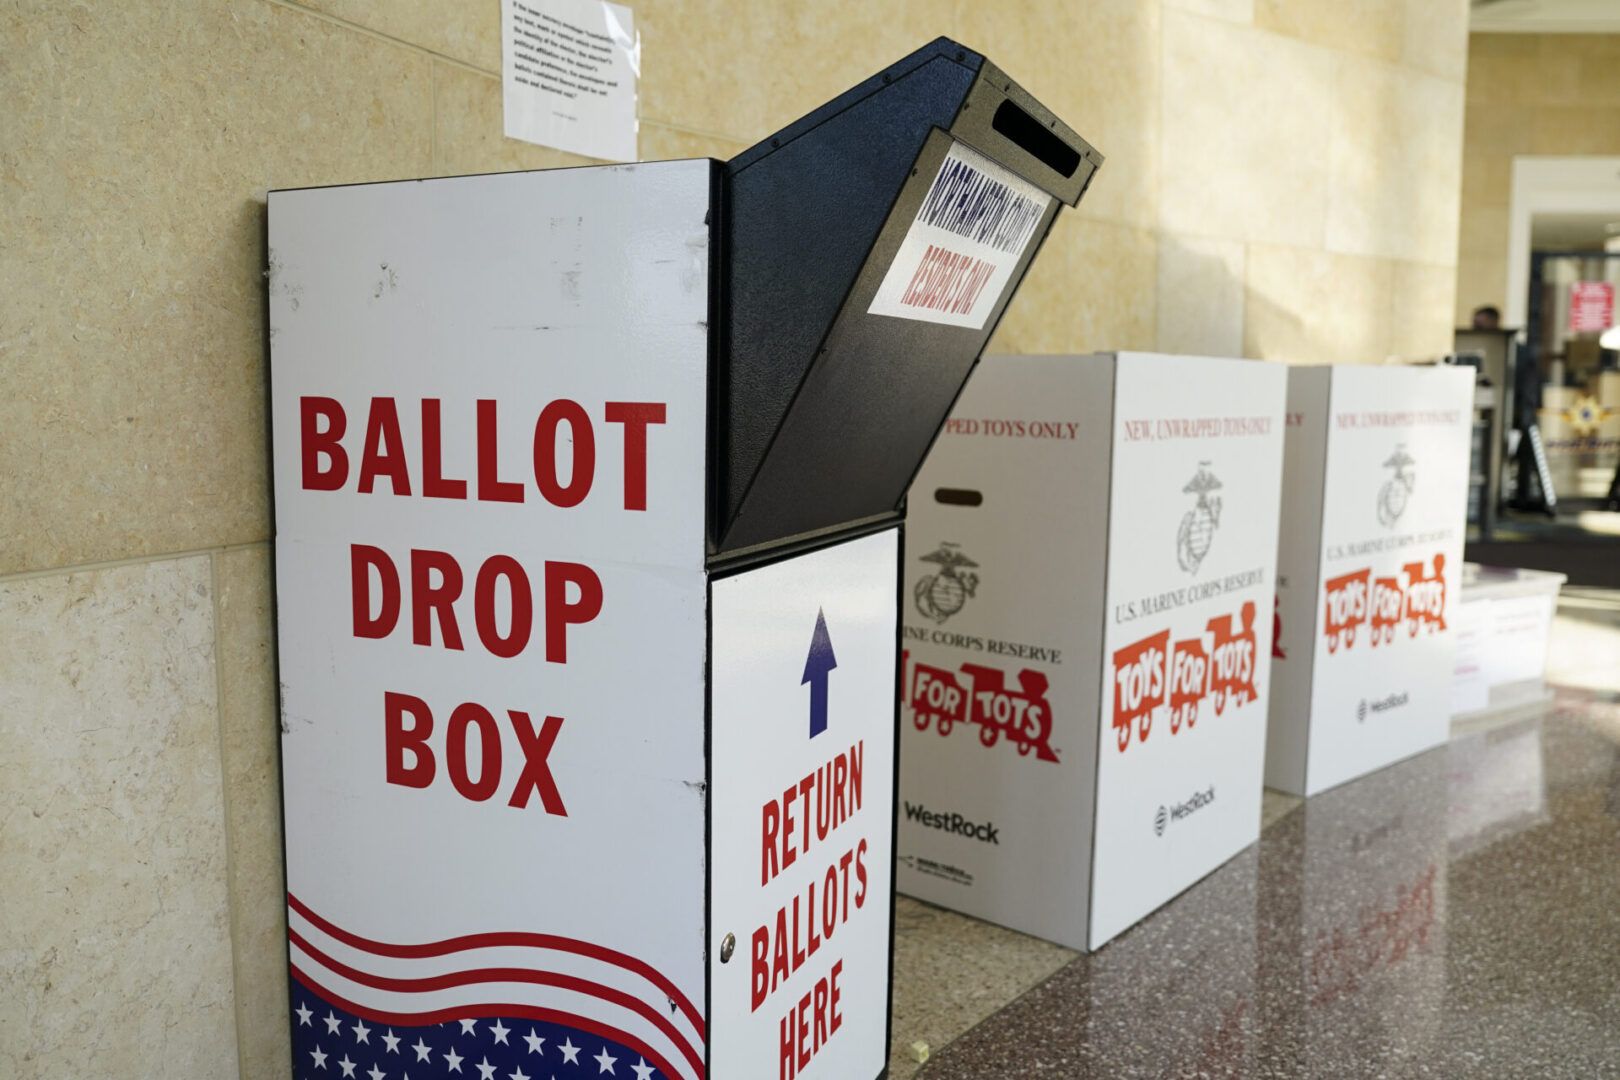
x,y
115,945
1527,94
1310,165
1281,182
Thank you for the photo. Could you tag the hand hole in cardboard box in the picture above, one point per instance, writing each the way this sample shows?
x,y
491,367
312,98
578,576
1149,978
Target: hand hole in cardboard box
x,y
958,496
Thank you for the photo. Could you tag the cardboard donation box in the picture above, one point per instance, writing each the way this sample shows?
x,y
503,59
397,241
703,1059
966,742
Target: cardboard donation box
x,y
1088,577
1374,501
588,498
1502,621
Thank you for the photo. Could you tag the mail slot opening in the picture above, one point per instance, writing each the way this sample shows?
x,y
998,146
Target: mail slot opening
x,y
1029,133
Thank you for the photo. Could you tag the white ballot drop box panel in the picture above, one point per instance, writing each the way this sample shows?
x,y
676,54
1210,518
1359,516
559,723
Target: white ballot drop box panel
x,y
803,759
1090,556
489,405
1369,563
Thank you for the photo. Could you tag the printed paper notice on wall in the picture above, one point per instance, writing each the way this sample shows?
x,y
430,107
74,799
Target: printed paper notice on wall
x,y
964,244
570,69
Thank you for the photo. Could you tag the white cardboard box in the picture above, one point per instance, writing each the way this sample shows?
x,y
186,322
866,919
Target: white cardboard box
x,y
1503,621
1089,551
531,742
1375,494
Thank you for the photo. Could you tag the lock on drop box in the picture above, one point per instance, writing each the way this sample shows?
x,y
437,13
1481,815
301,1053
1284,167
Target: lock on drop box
x,y
1088,580
1375,495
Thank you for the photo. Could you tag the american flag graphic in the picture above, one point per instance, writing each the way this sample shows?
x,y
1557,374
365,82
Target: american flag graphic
x,y
494,1006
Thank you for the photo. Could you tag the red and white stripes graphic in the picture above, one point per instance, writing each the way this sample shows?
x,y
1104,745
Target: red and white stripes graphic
x,y
514,974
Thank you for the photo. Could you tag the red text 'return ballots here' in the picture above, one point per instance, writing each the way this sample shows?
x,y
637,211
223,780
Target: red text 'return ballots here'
x,y
803,720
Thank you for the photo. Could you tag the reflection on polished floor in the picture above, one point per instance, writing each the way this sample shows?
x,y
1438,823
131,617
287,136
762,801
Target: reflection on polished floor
x,y
1455,915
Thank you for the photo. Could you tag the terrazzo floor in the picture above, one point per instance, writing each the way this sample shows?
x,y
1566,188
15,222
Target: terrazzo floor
x,y
1455,915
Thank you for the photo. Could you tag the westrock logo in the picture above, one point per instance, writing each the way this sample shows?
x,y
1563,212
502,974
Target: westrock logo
x,y
1393,701
1165,816
1198,525
984,832
942,594
1393,496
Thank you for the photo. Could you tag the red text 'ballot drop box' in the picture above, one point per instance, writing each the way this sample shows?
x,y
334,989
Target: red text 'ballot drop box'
x,y
1375,494
1088,578
587,582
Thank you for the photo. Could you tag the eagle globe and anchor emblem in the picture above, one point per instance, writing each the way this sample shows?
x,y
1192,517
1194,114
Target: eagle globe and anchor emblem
x,y
1392,497
946,591
1198,525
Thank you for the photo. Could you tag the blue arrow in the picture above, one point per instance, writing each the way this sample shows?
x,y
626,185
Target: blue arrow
x,y
820,661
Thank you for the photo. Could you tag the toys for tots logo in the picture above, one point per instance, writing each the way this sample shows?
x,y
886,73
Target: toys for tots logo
x,y
978,694
1152,674
943,593
1415,597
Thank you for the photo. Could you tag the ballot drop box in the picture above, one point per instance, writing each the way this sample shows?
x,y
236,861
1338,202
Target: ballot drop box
x,y
1375,493
588,492
1089,562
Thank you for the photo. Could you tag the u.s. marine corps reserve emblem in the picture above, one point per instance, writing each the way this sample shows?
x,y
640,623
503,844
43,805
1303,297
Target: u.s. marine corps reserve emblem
x,y
1198,525
943,593
1393,495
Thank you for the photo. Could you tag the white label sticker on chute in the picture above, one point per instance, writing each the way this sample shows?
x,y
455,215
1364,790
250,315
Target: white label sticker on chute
x,y
960,251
